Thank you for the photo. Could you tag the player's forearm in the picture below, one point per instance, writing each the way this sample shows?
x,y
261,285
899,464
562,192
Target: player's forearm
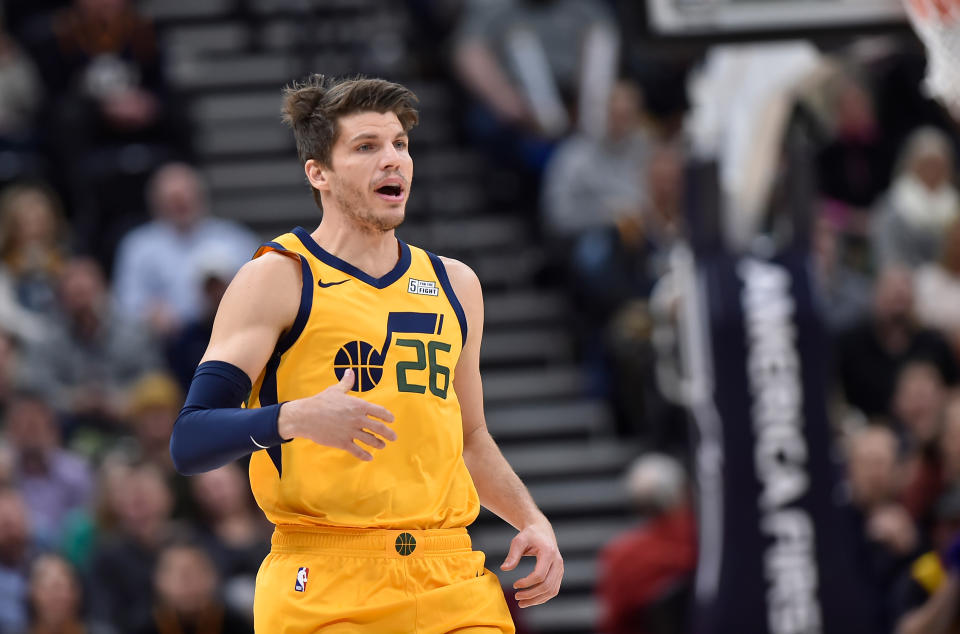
x,y
498,486
211,430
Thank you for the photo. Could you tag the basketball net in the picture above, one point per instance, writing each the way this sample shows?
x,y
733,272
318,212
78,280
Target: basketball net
x,y
937,22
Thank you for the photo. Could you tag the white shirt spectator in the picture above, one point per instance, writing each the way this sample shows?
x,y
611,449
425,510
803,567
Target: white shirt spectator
x,y
159,268
159,265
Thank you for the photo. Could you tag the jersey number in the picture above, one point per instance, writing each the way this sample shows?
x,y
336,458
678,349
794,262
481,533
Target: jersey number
x,y
425,355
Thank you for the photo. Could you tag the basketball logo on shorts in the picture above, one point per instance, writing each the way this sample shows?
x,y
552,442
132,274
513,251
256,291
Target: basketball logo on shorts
x,y
364,360
301,584
405,544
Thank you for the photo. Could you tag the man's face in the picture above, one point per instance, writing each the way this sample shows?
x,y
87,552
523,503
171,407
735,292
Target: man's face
x,y
81,287
177,196
185,580
872,466
369,178
31,427
893,296
918,401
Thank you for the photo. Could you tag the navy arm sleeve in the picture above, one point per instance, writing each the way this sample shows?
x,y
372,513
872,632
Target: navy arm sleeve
x,y
211,430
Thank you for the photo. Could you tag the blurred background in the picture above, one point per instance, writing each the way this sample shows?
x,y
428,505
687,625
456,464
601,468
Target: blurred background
x,y
561,154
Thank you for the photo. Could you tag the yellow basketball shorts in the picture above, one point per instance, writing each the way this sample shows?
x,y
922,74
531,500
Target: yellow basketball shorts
x,y
339,580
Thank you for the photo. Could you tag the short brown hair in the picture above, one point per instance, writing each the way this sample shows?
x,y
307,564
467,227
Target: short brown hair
x,y
312,108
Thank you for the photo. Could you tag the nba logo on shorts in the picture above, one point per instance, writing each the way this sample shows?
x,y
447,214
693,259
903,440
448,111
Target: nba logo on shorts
x,y
301,579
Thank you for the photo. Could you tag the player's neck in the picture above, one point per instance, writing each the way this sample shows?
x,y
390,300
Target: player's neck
x,y
373,252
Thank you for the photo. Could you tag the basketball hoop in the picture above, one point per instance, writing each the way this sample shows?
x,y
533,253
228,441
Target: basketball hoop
x,y
937,22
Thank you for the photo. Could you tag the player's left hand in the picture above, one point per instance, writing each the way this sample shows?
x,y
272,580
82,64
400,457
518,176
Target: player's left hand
x,y
543,583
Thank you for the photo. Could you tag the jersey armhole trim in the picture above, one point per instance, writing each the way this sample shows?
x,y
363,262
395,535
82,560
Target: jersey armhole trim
x,y
444,280
268,246
306,296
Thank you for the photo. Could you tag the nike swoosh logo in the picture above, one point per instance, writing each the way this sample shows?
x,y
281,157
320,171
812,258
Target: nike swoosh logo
x,y
258,444
328,284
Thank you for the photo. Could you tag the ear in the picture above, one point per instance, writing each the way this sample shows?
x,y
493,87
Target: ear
x,y
317,175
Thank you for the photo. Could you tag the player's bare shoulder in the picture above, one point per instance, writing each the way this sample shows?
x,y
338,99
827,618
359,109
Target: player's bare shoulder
x,y
462,277
467,287
267,286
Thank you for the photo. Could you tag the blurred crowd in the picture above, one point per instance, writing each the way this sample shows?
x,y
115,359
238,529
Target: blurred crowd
x,y
111,269
885,259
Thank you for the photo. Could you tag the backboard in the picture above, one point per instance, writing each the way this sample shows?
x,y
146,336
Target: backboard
x,y
704,17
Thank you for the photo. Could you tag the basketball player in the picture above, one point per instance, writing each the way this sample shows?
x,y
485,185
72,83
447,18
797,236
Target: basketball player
x,y
358,357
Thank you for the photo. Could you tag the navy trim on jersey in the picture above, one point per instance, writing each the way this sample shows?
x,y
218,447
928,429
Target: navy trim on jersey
x,y
268,389
331,260
268,397
441,272
306,305
271,243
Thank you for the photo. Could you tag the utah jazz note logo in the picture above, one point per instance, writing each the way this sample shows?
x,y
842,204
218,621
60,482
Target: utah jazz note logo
x,y
367,362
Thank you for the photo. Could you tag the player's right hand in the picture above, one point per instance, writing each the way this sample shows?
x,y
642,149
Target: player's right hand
x,y
333,418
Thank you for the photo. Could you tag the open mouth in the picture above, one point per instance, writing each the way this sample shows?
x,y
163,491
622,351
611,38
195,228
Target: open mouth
x,y
391,192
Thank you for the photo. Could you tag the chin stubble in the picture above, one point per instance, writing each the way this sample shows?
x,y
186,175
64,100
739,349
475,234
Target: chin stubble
x,y
352,204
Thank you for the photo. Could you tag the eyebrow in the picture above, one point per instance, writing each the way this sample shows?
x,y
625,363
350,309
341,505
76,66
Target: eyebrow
x,y
371,135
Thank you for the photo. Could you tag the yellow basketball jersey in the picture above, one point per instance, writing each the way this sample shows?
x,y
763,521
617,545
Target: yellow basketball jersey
x,y
402,335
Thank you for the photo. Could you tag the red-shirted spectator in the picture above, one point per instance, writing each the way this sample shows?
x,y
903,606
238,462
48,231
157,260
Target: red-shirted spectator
x,y
645,573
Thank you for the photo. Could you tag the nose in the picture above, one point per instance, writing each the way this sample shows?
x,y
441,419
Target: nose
x,y
390,157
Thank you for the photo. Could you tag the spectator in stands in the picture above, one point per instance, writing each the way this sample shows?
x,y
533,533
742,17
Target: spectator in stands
x,y
621,260
911,219
32,244
938,288
123,561
875,477
55,603
645,575
53,481
155,401
20,93
936,448
884,342
918,401
929,593
843,291
918,408
185,581
110,53
613,271
186,348
531,63
86,527
235,534
16,549
92,354
158,277
853,168
874,468
592,182
112,113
